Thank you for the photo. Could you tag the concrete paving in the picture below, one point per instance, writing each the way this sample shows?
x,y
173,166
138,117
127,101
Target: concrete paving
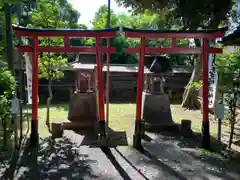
x,y
69,158
188,162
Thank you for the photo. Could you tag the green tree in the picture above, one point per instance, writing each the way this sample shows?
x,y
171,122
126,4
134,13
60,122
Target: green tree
x,y
50,68
100,19
119,42
150,20
69,15
7,88
187,15
144,20
14,1
2,30
48,15
228,66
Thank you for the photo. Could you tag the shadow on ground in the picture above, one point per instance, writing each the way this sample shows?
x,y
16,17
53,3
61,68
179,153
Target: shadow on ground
x,y
166,156
116,164
236,134
52,160
184,156
5,155
115,138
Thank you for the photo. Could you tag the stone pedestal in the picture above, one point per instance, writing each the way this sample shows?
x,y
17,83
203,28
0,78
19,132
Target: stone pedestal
x,y
83,108
57,130
186,129
156,111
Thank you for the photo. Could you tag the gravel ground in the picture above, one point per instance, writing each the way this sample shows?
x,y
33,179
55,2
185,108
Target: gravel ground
x,y
68,159
189,163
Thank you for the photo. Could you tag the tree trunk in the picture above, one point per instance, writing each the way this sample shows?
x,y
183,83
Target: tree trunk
x,y
231,136
232,129
190,95
48,103
233,115
5,133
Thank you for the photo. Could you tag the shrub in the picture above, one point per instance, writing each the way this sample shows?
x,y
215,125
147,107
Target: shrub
x,y
7,88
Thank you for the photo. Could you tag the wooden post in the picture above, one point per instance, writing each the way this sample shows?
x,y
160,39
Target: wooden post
x,y
138,121
205,121
34,137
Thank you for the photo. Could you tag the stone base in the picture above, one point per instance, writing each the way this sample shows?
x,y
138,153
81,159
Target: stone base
x,y
57,130
157,111
186,129
81,125
174,128
83,107
82,112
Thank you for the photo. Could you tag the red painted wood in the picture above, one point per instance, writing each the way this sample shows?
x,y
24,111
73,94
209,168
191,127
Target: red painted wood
x,y
174,43
67,41
140,80
100,81
205,79
173,50
175,35
35,80
62,34
63,49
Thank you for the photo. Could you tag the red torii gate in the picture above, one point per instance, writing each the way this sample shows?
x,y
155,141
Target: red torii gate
x,y
205,50
205,35
67,48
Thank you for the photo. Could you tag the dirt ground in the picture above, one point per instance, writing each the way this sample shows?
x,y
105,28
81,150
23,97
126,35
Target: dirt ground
x,y
166,156
179,113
